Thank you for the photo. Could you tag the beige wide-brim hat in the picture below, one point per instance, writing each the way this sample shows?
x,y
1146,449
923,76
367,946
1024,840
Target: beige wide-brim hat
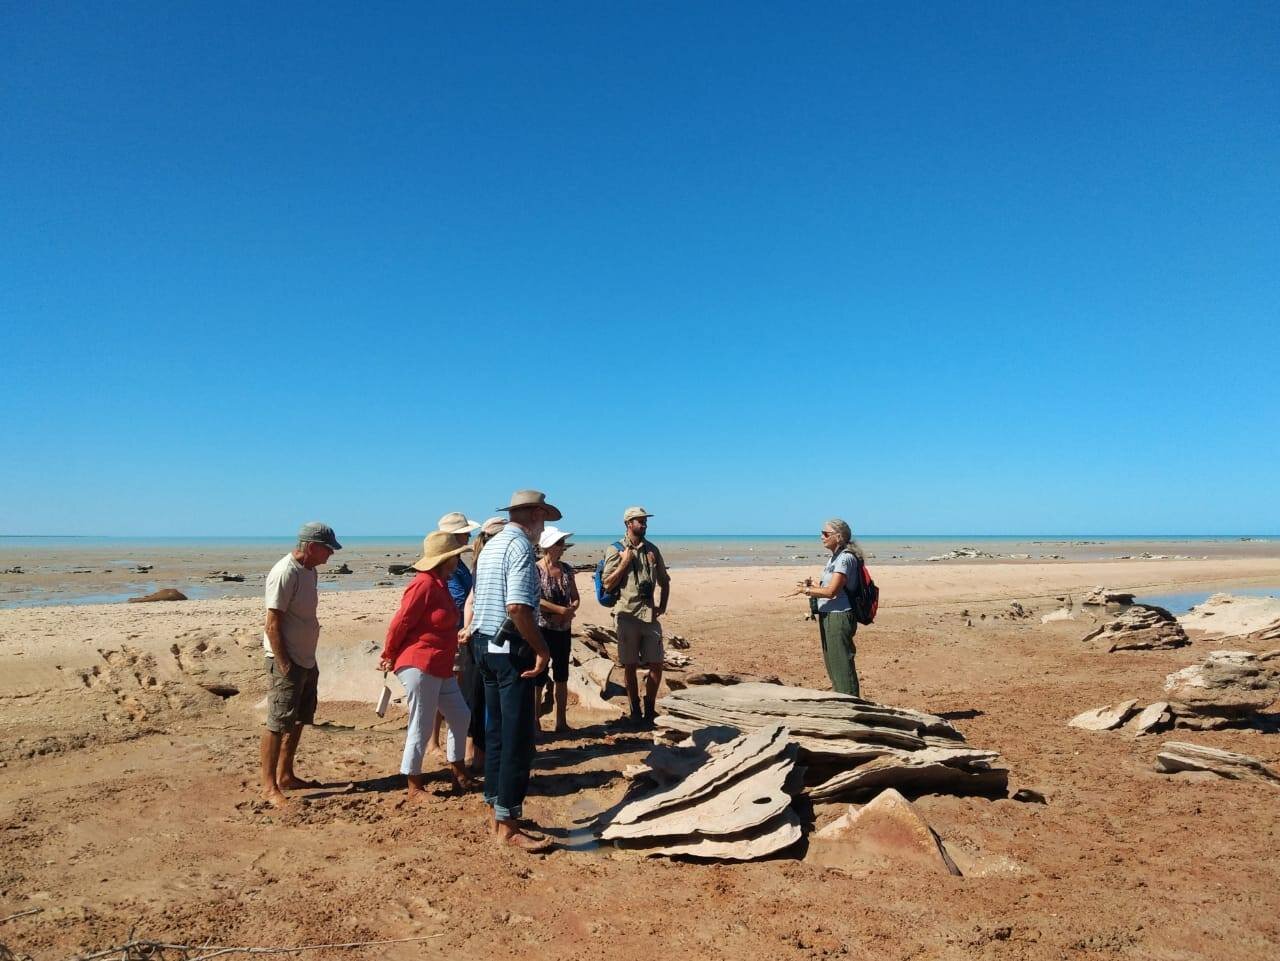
x,y
493,525
437,547
533,499
457,523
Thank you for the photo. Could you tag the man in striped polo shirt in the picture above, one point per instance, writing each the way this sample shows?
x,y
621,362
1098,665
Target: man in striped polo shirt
x,y
505,629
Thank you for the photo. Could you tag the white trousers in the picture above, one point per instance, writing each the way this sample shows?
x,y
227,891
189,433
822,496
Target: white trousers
x,y
427,693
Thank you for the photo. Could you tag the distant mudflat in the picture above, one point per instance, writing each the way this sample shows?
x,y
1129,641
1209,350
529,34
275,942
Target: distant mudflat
x,y
37,571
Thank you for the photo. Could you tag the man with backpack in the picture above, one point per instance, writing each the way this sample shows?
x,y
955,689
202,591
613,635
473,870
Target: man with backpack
x,y
843,598
628,578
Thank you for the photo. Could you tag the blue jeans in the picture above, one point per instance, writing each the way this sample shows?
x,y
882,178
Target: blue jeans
x,y
508,743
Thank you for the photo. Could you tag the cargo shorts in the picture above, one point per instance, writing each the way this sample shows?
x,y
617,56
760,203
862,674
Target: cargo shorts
x,y
639,642
291,699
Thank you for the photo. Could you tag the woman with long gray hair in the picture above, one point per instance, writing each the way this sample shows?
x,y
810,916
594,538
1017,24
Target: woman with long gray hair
x,y
830,601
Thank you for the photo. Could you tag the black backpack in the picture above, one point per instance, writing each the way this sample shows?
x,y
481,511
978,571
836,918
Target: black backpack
x,y
861,590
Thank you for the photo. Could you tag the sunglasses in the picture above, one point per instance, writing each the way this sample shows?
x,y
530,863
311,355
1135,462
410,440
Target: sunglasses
x,y
826,533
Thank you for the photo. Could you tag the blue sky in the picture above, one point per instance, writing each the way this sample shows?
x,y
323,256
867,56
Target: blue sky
x,y
941,268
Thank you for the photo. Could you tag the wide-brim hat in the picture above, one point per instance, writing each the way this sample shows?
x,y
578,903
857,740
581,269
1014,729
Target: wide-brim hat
x,y
457,523
631,513
551,536
532,498
436,548
493,525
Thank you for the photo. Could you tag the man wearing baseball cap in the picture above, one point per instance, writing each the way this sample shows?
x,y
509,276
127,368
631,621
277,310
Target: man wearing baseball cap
x,y
634,573
290,640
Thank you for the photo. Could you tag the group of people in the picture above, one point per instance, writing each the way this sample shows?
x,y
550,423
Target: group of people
x,y
479,646
473,645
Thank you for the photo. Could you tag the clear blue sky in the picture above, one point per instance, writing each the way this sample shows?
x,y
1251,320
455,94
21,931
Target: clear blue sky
x,y
940,268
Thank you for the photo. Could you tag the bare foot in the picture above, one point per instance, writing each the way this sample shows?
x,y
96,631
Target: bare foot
x,y
295,783
523,842
418,796
279,801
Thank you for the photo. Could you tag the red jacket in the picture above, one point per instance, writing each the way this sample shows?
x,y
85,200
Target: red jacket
x,y
424,632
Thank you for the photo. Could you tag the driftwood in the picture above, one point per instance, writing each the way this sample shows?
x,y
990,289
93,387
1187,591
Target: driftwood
x,y
1175,756
851,747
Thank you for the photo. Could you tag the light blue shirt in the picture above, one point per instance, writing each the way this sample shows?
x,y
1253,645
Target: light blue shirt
x,y
843,563
506,573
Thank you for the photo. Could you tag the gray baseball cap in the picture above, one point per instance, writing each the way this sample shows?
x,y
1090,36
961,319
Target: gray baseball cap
x,y
319,533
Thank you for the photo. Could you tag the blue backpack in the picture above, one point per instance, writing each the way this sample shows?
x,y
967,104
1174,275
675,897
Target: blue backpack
x,y
605,598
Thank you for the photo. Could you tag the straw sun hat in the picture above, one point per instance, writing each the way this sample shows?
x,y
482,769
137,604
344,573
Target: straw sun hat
x,y
436,547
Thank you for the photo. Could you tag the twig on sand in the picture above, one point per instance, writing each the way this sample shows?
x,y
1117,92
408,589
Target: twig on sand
x,y
21,914
142,949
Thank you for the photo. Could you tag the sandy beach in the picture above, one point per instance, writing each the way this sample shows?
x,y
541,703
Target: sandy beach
x,y
128,799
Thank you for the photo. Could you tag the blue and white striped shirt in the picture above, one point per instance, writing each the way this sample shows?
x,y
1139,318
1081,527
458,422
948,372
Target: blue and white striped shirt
x,y
506,573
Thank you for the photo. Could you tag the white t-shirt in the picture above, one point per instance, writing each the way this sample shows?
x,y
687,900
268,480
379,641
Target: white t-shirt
x,y
843,563
294,591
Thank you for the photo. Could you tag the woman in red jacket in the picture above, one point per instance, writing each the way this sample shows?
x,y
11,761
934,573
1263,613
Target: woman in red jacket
x,y
421,642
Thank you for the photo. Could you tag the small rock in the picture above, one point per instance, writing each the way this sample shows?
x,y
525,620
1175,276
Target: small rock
x,y
888,829
164,594
1104,718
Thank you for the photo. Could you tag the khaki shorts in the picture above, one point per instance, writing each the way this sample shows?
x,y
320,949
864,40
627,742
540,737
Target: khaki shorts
x,y
292,698
639,642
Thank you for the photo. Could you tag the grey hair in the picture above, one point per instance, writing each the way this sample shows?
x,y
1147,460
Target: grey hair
x,y
844,534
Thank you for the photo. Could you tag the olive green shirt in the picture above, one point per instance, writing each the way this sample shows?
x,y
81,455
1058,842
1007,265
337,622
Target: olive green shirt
x,y
636,592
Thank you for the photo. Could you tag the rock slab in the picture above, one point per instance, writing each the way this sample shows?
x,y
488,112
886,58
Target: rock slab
x,y
888,831
1140,627
1176,756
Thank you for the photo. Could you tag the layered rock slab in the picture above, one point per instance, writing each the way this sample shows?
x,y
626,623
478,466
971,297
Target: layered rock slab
x,y
1140,627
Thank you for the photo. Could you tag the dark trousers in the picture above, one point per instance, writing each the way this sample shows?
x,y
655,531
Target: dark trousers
x,y
508,746
473,690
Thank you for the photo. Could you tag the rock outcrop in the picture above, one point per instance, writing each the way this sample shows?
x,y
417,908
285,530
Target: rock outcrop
x,y
1105,596
852,748
1229,615
1140,627
1226,684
